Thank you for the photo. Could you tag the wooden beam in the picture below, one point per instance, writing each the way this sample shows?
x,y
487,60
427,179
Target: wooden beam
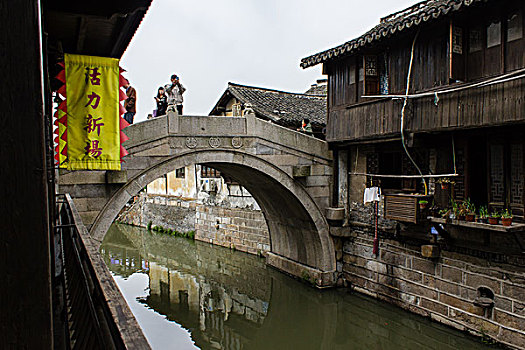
x,y
81,33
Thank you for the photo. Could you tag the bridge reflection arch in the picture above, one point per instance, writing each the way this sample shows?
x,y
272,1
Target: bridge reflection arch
x,y
299,233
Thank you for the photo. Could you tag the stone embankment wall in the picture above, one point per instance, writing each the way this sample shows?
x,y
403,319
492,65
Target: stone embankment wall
x,y
444,288
160,211
242,229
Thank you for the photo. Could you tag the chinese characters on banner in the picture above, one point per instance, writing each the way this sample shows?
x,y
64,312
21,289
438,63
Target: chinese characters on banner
x,y
90,130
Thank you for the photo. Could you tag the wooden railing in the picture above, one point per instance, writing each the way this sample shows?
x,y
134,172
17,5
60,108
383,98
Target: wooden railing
x,y
94,310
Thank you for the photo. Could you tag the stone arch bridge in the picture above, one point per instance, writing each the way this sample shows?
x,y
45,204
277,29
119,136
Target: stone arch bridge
x,y
287,172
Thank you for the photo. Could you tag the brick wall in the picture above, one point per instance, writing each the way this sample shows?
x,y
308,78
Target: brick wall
x,y
443,289
242,229
167,212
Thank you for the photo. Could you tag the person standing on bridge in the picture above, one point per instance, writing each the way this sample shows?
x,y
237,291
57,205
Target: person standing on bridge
x,y
175,91
130,103
162,102
306,127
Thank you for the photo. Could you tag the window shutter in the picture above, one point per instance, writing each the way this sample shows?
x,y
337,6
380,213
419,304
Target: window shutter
x,y
516,179
496,177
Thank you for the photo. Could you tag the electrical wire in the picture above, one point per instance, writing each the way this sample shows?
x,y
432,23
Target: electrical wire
x,y
518,74
403,113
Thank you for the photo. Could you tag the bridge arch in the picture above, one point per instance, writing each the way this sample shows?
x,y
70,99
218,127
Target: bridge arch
x,y
299,234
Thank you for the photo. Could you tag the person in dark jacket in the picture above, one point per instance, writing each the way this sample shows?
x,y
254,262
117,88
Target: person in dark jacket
x,y
162,101
130,103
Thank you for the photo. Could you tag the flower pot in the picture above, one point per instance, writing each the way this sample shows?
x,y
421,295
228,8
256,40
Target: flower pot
x,y
493,221
506,221
423,206
470,217
481,220
445,185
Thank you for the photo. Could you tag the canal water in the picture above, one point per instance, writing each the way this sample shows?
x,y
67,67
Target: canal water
x,y
188,295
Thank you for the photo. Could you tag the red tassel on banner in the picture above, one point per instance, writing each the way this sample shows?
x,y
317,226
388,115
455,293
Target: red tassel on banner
x,y
63,120
62,90
123,152
56,129
61,76
122,109
122,95
57,157
123,123
123,137
61,64
55,140
63,106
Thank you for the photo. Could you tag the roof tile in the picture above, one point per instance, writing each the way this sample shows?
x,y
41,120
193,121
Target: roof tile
x,y
396,22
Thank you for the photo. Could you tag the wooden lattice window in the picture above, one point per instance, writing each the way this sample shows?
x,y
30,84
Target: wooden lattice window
x,y
371,75
516,179
506,176
459,187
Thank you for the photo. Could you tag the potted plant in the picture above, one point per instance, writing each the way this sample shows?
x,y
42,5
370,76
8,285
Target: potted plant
x,y
445,213
454,209
470,210
423,204
494,218
462,211
483,214
445,183
506,218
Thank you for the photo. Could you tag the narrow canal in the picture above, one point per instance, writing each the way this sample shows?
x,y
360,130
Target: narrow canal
x,y
188,295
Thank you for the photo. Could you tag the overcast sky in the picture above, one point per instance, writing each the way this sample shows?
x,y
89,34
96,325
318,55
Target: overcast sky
x,y
209,43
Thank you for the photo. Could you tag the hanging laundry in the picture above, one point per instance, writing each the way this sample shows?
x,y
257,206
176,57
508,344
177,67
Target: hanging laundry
x,y
372,194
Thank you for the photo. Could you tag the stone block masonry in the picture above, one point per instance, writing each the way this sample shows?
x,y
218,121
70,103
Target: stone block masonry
x,y
160,212
242,229
239,228
444,289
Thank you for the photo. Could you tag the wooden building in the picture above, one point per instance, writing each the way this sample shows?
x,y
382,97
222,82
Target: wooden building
x,y
434,93
465,113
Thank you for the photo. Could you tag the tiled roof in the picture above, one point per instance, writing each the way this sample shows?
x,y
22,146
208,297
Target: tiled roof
x,y
413,16
284,108
317,89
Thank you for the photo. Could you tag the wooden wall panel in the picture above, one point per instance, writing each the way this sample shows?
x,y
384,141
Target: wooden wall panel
x,y
487,106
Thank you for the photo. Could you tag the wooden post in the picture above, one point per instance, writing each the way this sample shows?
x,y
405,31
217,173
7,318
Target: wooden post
x,y
25,244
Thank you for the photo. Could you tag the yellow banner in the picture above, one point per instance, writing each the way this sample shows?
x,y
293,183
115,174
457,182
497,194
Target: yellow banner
x,y
93,128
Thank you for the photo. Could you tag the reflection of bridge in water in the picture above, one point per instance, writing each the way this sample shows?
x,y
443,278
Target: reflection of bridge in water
x,y
194,284
231,300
